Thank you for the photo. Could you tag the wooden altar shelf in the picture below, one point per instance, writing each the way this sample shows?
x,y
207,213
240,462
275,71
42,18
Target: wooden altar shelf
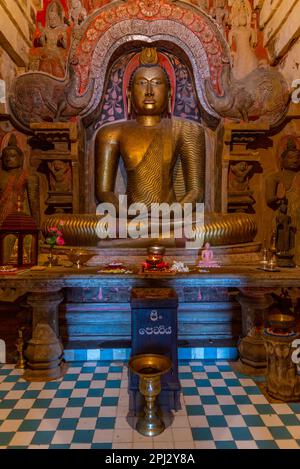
x,y
84,306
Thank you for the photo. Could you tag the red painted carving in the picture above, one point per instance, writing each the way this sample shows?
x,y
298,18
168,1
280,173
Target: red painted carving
x,y
41,15
51,40
91,5
151,10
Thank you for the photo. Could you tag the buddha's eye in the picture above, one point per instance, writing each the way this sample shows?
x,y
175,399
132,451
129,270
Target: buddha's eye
x,y
141,82
156,82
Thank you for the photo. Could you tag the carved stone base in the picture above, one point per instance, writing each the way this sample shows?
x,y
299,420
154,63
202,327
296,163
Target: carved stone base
x,y
254,303
240,367
44,354
252,352
282,380
47,374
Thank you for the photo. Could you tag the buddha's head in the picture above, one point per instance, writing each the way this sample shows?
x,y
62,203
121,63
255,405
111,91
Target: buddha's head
x,y
54,15
243,20
12,155
149,90
242,166
290,158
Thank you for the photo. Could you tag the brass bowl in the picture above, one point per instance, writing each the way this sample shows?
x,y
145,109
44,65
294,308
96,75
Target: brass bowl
x,y
156,250
150,364
79,257
282,321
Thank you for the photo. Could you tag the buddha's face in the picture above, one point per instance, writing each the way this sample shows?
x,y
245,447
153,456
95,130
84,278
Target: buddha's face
x,y
242,166
242,19
149,91
58,165
53,18
292,160
12,159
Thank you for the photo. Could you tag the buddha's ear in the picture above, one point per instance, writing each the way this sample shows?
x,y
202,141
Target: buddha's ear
x,y
169,102
129,102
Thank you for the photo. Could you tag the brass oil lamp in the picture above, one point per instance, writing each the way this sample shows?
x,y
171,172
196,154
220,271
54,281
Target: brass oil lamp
x,y
155,261
150,367
281,324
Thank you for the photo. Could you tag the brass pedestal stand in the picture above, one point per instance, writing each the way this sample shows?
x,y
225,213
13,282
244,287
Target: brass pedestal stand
x,y
150,367
283,382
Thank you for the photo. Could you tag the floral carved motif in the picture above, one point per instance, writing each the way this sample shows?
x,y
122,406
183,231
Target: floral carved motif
x,y
156,12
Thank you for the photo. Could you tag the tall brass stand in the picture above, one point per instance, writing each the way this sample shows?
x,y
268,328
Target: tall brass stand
x,y
150,368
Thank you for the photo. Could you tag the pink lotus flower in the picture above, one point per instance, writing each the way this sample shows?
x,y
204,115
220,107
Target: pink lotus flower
x,y
60,241
53,228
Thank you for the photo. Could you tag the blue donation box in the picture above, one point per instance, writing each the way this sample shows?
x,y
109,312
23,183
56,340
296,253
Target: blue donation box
x,y
154,330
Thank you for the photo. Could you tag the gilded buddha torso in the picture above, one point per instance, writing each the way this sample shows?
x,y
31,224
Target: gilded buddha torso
x,y
151,155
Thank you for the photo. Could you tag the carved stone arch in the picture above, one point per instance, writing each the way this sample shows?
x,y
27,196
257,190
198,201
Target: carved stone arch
x,y
113,105
190,29
127,49
108,45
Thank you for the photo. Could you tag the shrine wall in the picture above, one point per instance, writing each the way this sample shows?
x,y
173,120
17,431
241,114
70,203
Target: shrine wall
x,y
279,21
17,26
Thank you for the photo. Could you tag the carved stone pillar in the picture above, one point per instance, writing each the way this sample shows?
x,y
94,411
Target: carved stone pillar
x,y
45,308
254,303
44,351
282,380
61,158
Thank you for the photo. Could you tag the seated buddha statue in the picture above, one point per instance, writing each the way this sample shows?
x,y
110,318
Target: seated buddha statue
x,y
150,145
164,160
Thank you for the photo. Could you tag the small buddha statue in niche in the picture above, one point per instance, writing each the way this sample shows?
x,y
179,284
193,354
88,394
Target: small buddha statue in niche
x,y
285,185
238,176
60,176
19,191
239,194
17,185
285,236
150,144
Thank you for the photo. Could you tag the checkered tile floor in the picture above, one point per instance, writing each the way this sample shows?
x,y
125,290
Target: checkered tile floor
x,y
88,408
